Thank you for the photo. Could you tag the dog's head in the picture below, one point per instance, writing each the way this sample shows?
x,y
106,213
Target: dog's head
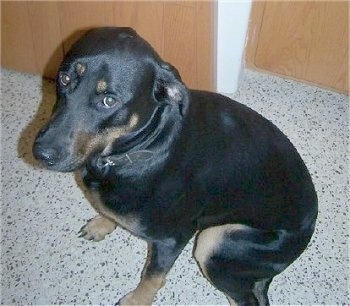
x,y
109,86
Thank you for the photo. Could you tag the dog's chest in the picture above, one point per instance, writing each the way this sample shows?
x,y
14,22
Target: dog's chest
x,y
129,221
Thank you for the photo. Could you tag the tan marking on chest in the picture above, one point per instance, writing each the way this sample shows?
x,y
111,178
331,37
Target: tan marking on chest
x,y
130,222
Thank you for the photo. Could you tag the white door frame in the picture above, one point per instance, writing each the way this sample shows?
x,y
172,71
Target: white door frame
x,y
232,25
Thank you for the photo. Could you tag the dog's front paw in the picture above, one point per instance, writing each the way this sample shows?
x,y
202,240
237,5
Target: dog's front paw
x,y
97,228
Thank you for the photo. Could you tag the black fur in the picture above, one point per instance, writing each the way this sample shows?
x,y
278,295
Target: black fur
x,y
214,162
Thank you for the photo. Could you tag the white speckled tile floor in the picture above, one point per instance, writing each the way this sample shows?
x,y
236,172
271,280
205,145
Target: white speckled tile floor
x,y
44,262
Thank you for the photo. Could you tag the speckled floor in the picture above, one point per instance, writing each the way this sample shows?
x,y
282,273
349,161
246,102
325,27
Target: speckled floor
x,y
44,262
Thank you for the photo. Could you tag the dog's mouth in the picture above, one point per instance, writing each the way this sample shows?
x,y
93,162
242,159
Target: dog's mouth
x,y
66,166
57,160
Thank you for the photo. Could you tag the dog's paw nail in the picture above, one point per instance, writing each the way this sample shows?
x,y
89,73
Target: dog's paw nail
x,y
119,302
82,233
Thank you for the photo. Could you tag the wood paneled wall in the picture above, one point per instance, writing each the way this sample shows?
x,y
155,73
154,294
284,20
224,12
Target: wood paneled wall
x,y
306,40
36,35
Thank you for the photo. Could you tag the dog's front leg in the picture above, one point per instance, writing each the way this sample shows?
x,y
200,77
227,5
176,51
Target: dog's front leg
x,y
161,256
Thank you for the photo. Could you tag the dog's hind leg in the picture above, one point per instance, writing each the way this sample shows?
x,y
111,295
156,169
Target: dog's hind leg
x,y
259,296
97,228
260,290
241,261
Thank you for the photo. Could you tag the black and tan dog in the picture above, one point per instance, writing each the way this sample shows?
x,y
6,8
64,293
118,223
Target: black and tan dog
x,y
166,163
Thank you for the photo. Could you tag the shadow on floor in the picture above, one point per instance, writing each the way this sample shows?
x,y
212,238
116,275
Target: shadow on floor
x,y
28,134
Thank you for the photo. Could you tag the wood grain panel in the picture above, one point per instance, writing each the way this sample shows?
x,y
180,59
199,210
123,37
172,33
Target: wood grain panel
x,y
307,41
16,35
180,40
145,17
254,28
205,28
48,50
331,46
77,17
35,35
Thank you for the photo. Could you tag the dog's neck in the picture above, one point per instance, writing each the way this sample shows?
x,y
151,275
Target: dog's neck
x,y
148,147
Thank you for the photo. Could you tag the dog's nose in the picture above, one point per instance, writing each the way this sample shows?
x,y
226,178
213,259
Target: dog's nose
x,y
47,155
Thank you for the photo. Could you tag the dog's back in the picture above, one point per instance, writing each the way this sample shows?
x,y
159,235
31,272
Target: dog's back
x,y
243,163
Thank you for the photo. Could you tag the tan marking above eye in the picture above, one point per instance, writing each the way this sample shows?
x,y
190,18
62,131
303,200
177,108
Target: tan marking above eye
x,y
80,69
101,86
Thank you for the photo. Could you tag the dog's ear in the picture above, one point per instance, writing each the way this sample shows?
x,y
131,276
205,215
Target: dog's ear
x,y
168,87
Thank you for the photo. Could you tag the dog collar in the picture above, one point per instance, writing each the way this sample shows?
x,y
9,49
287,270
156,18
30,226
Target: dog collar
x,y
126,158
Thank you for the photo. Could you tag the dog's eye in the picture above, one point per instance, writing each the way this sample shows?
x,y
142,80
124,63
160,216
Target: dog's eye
x,y
109,101
65,79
